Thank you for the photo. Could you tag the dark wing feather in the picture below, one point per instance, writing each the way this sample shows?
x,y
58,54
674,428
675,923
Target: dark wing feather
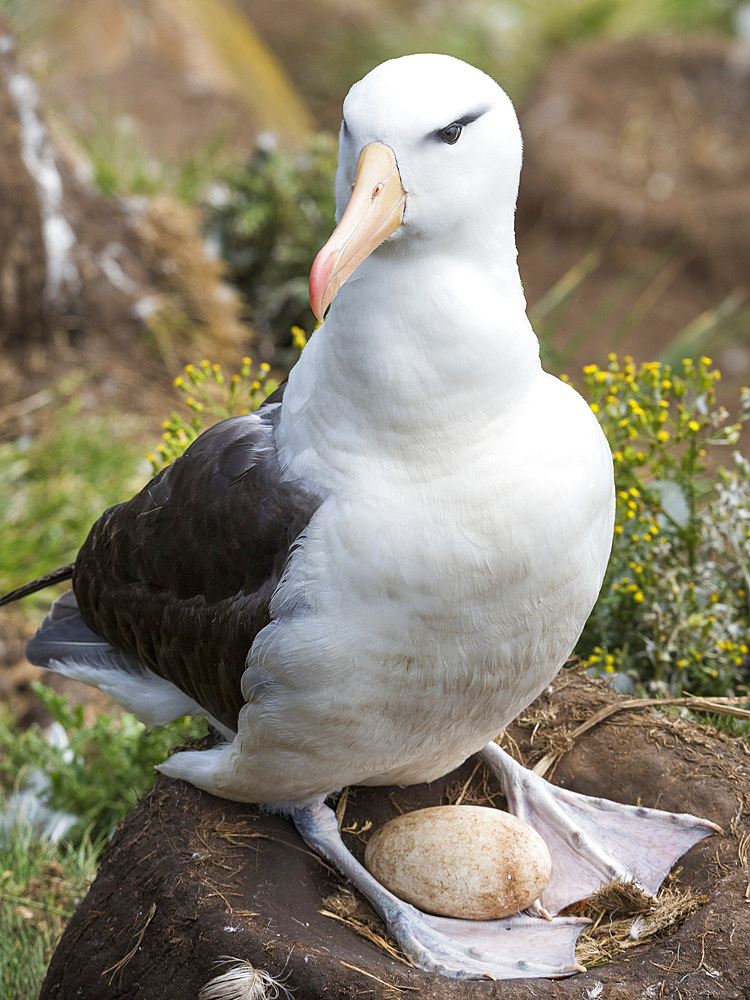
x,y
183,573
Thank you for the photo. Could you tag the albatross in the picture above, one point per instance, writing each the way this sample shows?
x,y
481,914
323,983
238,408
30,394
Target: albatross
x,y
367,579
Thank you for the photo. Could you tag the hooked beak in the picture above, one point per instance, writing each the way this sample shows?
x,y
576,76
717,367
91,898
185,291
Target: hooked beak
x,y
375,210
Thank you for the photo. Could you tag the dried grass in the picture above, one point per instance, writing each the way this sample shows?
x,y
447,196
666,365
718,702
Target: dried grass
x,y
624,916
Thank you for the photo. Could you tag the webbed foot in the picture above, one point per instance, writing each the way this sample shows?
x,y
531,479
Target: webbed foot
x,y
593,841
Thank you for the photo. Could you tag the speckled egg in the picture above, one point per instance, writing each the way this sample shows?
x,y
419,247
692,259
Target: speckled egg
x,y
461,861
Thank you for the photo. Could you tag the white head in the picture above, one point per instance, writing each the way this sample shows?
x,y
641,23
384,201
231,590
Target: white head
x,y
452,178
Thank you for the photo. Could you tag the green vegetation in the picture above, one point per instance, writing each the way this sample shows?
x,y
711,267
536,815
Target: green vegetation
x,y
208,394
122,167
40,886
56,484
674,607
273,218
102,772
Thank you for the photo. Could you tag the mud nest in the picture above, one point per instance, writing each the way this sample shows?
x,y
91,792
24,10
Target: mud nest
x,y
189,879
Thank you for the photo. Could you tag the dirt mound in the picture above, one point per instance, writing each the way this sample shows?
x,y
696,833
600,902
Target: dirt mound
x,y
189,879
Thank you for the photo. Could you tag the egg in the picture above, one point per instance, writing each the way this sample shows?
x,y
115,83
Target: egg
x,y
470,862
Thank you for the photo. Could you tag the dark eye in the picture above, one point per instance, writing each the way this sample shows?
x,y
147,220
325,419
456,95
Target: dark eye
x,y
451,133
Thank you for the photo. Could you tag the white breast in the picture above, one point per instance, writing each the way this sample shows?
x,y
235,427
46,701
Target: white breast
x,y
419,616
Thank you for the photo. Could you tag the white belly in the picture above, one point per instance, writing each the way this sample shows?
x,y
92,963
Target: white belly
x,y
417,619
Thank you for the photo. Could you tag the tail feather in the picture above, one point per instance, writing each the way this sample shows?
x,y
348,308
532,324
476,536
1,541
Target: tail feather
x,y
56,576
65,644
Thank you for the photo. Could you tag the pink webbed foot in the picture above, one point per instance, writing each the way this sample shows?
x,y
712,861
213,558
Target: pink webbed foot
x,y
515,947
593,841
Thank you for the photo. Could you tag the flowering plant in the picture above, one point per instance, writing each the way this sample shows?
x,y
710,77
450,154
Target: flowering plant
x,y
673,608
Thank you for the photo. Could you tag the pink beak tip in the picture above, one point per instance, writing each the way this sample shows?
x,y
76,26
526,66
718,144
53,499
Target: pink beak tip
x,y
320,274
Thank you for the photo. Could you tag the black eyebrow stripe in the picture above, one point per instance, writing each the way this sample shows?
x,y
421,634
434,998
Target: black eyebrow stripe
x,y
471,117
466,119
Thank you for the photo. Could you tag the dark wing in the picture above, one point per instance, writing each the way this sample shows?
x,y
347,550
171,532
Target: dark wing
x,y
182,574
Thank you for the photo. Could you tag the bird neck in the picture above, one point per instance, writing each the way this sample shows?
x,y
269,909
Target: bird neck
x,y
415,356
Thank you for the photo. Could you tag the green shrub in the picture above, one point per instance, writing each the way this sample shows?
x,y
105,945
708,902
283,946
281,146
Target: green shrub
x,y
270,223
208,394
102,772
673,610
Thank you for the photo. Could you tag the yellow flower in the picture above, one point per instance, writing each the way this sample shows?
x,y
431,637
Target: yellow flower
x,y
594,407
694,425
638,596
178,382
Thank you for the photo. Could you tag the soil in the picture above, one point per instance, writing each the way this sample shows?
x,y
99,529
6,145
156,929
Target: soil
x,y
189,878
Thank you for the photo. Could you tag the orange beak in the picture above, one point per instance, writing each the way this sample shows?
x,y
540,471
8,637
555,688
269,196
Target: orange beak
x,y
375,210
